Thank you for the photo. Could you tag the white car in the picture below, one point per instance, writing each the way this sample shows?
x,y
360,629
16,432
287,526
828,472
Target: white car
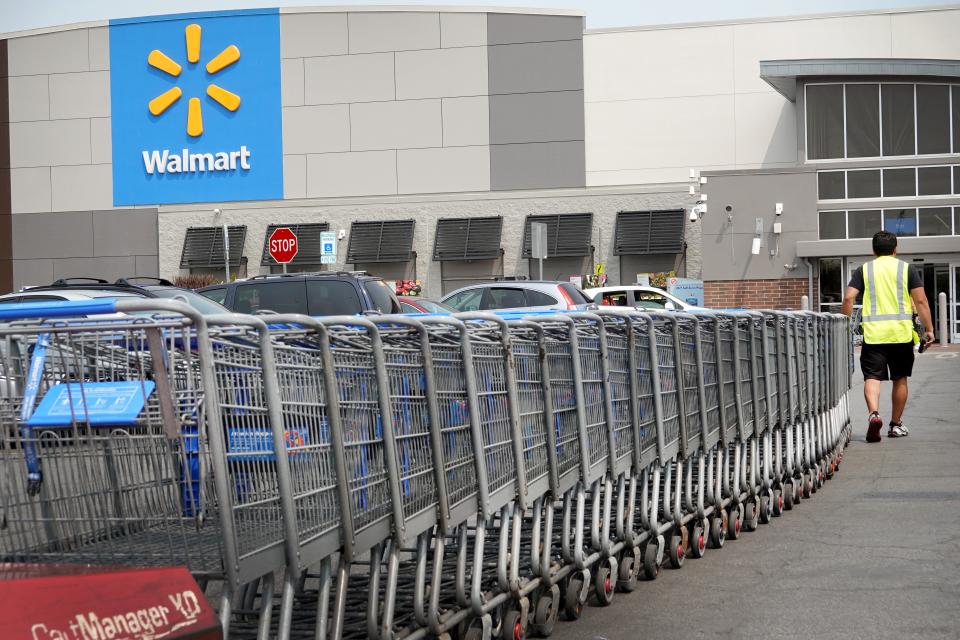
x,y
640,297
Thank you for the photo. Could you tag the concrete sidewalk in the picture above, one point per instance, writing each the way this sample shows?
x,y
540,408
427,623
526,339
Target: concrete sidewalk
x,y
874,554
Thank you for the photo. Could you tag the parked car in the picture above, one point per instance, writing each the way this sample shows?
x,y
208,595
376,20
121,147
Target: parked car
x,y
92,288
640,297
324,293
518,294
415,304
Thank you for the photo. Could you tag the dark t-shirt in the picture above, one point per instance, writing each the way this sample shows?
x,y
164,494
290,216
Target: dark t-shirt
x,y
913,279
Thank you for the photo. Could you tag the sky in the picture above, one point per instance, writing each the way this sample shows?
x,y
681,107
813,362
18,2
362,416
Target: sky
x,y
17,15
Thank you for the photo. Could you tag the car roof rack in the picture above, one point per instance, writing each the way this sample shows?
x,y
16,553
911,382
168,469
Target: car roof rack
x,y
69,282
126,282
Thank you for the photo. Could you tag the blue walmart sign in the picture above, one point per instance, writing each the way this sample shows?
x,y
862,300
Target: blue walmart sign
x,y
195,102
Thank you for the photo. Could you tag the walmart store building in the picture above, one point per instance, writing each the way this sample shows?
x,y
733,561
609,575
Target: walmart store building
x,y
431,137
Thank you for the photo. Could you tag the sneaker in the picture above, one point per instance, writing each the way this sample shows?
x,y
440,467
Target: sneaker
x,y
874,424
897,431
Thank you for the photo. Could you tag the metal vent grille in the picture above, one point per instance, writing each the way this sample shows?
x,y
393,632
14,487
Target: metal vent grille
x,y
468,238
203,247
308,242
643,232
568,234
381,241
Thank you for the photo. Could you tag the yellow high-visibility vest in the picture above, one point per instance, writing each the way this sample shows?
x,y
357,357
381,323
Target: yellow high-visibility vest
x,y
887,306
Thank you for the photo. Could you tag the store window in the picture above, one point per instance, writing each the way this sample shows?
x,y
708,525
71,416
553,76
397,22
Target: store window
x,y
831,185
933,118
831,283
863,184
934,221
870,119
833,225
863,223
898,183
825,121
933,181
900,222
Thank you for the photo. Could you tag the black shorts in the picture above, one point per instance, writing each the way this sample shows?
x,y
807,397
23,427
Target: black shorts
x,y
876,360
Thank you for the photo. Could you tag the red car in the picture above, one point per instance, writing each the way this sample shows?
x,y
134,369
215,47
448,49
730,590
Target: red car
x,y
413,304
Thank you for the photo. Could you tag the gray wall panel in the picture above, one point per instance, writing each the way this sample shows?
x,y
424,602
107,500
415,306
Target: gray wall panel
x,y
358,173
303,35
29,98
466,121
30,190
101,141
726,245
58,52
438,73
511,28
291,82
147,266
32,237
80,95
545,66
536,117
49,143
316,129
125,232
294,177
393,31
353,78
448,169
536,165
406,124
32,273
98,46
108,268
463,29
82,187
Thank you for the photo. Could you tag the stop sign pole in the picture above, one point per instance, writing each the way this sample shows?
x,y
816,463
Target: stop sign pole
x,y
283,246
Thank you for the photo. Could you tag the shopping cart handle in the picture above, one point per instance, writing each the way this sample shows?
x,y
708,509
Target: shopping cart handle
x,y
57,309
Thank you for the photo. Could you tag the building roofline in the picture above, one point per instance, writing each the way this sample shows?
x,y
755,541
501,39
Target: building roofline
x,y
347,8
760,20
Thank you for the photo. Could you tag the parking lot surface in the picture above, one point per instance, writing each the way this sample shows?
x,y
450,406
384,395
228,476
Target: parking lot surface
x,y
874,554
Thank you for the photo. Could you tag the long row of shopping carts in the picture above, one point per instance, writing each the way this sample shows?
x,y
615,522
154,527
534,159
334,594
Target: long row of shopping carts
x,y
469,476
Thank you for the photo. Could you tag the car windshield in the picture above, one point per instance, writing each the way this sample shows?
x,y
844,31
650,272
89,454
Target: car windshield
x,y
572,290
382,297
206,306
429,306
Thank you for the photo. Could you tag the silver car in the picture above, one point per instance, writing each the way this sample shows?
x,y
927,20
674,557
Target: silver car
x,y
518,294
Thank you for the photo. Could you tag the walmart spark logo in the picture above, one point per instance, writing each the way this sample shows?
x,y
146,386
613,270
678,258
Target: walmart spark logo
x,y
161,61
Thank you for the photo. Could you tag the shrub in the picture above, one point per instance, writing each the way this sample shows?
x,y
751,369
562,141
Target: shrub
x,y
196,280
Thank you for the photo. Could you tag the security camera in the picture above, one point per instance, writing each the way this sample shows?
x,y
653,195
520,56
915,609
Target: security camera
x,y
778,209
341,234
693,215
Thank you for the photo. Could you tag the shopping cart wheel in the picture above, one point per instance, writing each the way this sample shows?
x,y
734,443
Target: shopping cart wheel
x,y
778,502
718,529
651,563
735,522
546,612
677,548
603,582
788,493
751,516
807,485
628,569
472,631
572,602
765,509
698,539
513,627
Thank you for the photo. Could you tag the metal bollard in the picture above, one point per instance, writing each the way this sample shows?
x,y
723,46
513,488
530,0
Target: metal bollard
x,y
942,317
805,303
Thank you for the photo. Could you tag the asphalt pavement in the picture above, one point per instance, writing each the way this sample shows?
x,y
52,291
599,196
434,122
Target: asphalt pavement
x,y
874,554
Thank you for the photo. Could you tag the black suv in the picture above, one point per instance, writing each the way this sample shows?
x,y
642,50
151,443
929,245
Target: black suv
x,y
92,288
324,293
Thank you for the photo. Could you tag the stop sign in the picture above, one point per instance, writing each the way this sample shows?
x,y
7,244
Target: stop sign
x,y
282,245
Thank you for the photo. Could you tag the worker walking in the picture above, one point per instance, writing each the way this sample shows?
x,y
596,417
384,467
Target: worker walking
x,y
892,293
